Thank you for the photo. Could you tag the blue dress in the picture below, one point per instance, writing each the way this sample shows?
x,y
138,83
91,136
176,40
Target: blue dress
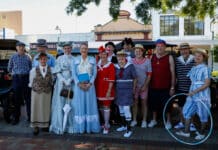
x,y
63,71
198,74
86,118
124,84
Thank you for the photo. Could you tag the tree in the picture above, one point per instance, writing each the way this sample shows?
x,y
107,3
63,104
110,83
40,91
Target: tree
x,y
193,8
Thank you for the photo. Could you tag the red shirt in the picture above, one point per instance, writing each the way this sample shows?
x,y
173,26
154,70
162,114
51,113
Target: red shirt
x,y
161,74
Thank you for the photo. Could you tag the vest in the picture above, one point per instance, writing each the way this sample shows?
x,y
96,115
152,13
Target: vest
x,y
40,84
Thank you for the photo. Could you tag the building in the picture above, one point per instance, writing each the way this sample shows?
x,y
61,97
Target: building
x,y
124,26
176,29
11,20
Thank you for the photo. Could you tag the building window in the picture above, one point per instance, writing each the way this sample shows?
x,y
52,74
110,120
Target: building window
x,y
169,25
193,26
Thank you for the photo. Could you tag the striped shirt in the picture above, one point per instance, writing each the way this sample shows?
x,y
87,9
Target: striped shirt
x,y
19,64
182,69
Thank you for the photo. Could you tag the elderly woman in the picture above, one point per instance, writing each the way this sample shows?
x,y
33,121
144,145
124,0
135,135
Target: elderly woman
x,y
41,84
84,71
64,80
105,86
125,87
199,93
143,71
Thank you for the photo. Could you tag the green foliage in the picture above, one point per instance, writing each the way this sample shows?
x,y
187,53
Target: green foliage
x,y
194,8
216,54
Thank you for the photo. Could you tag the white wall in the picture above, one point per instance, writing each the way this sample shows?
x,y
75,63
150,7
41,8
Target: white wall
x,y
181,37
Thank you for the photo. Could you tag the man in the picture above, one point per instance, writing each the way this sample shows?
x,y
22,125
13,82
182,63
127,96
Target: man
x,y
184,63
162,84
19,66
41,48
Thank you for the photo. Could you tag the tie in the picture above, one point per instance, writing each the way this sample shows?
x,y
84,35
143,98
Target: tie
x,y
43,69
121,72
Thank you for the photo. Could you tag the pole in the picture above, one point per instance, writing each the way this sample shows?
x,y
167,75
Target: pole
x,y
3,36
212,59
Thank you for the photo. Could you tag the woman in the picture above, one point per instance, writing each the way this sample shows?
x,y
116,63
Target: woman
x,y
105,86
84,71
111,48
143,71
199,92
41,84
125,87
64,80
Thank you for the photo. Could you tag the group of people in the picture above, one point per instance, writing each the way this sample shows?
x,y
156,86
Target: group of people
x,y
121,78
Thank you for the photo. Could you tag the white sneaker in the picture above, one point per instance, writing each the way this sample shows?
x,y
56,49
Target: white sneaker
x,y
121,129
152,123
128,134
192,127
200,137
168,125
144,124
133,123
105,130
181,133
180,125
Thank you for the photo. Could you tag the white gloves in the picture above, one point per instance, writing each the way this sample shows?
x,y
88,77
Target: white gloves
x,y
67,82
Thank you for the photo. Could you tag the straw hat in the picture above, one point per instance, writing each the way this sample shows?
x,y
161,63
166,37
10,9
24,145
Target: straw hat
x,y
121,53
202,51
184,46
140,46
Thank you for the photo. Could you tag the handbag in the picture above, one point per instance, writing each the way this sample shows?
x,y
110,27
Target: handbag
x,y
67,93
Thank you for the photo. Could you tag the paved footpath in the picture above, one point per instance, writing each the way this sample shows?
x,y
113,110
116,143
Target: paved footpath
x,y
20,137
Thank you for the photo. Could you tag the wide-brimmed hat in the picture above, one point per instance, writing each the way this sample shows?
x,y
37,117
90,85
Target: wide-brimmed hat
x,y
20,44
184,46
42,55
121,53
41,43
202,51
67,44
140,46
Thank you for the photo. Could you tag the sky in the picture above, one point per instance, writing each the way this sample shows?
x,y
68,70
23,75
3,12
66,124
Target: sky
x,y
42,16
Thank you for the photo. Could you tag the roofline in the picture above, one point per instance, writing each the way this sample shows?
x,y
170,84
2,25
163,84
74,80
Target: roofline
x,y
146,31
121,18
122,39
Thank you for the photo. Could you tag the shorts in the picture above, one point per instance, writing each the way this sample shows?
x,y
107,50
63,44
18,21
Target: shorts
x,y
158,99
143,94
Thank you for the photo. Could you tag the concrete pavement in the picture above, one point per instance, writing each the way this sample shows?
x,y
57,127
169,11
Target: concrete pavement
x,y
147,138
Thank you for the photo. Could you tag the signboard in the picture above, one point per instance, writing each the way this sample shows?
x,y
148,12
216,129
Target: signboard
x,y
52,47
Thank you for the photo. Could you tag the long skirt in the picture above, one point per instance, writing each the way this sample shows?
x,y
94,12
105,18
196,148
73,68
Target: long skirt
x,y
40,109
